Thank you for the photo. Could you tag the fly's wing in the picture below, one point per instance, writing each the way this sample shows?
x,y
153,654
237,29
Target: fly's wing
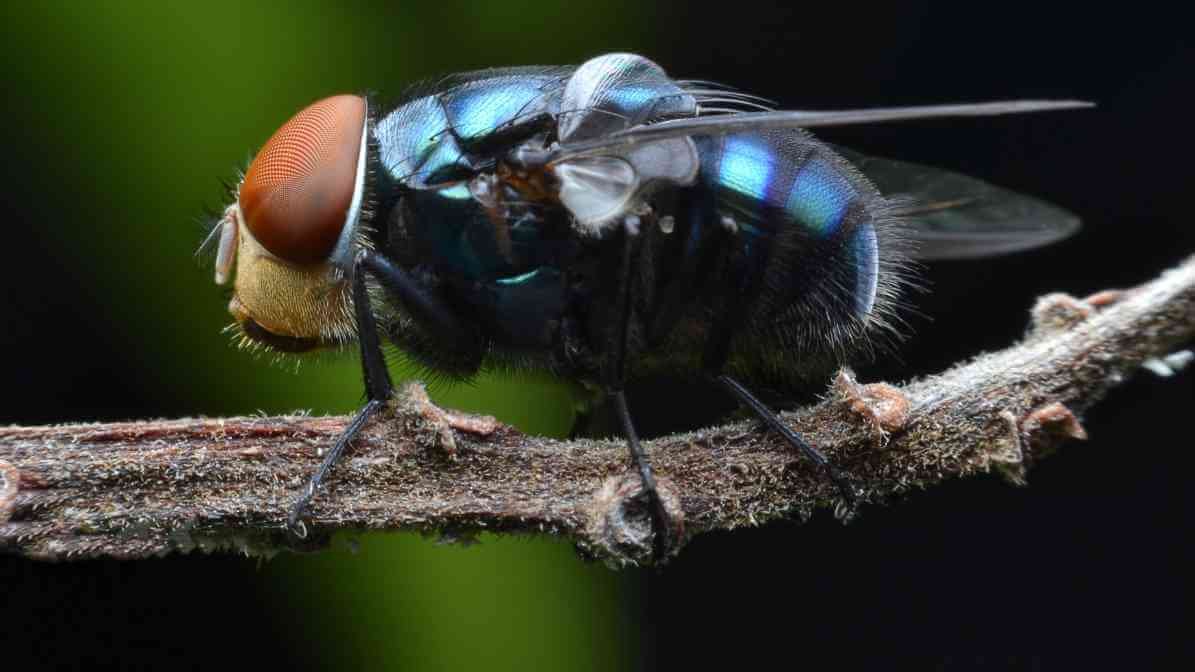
x,y
953,216
743,122
605,96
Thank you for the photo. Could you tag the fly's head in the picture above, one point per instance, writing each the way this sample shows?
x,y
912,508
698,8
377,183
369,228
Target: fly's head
x,y
293,228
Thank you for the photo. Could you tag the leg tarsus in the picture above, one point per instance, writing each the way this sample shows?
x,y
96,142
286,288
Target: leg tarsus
x,y
744,396
660,519
294,520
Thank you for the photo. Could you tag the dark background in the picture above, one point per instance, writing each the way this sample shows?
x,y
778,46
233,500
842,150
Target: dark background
x,y
104,320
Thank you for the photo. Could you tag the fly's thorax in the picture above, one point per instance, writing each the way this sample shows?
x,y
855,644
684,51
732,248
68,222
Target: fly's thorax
x,y
287,306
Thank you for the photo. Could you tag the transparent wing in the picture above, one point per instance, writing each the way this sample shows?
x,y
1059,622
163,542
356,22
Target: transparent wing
x,y
726,124
953,216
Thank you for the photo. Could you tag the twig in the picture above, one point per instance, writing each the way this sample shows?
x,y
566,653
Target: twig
x,y
130,490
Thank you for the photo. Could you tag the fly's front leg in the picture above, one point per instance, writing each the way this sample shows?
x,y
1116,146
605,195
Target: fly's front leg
x,y
378,389
614,375
425,308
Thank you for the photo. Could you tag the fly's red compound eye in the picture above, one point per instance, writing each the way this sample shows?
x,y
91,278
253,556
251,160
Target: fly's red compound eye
x,y
296,196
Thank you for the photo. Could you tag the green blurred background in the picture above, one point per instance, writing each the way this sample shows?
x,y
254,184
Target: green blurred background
x,y
120,119
147,105
152,103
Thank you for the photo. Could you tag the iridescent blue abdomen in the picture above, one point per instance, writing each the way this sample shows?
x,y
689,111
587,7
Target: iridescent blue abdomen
x,y
800,215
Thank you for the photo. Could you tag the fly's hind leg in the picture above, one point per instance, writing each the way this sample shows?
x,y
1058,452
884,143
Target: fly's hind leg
x,y
717,353
665,529
773,421
378,386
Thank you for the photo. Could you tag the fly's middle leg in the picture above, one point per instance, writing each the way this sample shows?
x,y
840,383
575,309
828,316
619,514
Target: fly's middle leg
x,y
664,528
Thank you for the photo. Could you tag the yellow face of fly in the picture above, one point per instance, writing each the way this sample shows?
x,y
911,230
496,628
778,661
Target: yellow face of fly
x,y
285,306
293,227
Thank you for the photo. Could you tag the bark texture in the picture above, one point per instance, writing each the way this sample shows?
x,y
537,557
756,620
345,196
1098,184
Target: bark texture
x,y
139,489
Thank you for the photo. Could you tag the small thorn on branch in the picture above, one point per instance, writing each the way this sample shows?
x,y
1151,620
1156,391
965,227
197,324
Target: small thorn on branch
x,y
1055,420
412,402
883,407
1058,312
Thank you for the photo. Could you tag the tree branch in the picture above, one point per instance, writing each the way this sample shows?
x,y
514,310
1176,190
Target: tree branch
x,y
138,489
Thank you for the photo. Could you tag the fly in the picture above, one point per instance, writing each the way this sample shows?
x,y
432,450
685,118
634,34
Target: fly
x,y
602,222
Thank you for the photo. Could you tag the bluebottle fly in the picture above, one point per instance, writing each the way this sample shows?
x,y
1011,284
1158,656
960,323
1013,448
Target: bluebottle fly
x,y
602,222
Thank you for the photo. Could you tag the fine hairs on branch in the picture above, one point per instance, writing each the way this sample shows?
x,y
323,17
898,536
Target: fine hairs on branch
x,y
141,489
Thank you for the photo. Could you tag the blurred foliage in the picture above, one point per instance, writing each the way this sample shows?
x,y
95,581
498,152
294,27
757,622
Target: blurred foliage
x,y
133,111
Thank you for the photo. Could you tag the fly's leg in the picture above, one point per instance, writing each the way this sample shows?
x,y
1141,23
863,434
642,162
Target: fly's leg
x,y
717,352
294,521
378,386
378,389
614,376
773,421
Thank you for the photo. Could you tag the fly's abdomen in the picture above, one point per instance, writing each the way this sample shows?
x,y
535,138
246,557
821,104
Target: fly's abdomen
x,y
806,236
